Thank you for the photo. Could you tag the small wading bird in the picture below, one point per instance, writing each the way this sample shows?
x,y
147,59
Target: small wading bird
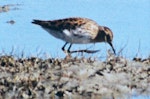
x,y
77,31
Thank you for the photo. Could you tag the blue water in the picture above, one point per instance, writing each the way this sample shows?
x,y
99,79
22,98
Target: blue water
x,y
141,97
128,19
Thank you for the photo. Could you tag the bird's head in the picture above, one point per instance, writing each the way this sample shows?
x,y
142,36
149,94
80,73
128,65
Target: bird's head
x,y
106,35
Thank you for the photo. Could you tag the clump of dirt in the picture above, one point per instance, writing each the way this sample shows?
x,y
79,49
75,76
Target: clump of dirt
x,y
11,22
6,8
73,77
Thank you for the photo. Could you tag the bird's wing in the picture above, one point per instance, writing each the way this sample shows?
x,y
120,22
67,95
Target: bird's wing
x,y
89,29
77,26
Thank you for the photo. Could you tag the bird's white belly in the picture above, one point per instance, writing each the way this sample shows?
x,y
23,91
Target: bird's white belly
x,y
67,36
77,40
56,34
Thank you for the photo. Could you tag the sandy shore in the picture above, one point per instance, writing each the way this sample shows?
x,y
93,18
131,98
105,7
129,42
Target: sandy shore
x,y
73,78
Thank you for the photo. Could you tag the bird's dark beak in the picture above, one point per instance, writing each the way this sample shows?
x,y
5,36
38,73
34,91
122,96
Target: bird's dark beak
x,y
110,43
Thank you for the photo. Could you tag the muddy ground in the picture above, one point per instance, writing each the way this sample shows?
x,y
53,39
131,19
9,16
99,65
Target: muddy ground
x,y
73,77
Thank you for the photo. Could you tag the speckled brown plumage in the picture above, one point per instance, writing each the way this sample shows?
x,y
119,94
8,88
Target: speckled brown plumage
x,y
77,30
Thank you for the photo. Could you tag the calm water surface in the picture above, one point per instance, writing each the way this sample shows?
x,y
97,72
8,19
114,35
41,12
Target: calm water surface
x,y
129,20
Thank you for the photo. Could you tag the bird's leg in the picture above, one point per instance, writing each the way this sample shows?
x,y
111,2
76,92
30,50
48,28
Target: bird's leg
x,y
69,48
63,48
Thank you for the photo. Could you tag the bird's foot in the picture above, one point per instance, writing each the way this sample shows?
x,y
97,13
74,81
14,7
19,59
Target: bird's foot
x,y
67,53
86,51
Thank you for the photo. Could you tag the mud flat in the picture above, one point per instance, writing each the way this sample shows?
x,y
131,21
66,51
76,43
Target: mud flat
x,y
74,78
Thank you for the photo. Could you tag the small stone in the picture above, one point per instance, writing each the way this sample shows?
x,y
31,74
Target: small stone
x,y
11,22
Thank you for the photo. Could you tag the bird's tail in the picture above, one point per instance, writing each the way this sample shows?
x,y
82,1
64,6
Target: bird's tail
x,y
39,22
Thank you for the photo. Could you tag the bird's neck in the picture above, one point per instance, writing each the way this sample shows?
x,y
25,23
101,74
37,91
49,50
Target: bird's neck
x,y
100,36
